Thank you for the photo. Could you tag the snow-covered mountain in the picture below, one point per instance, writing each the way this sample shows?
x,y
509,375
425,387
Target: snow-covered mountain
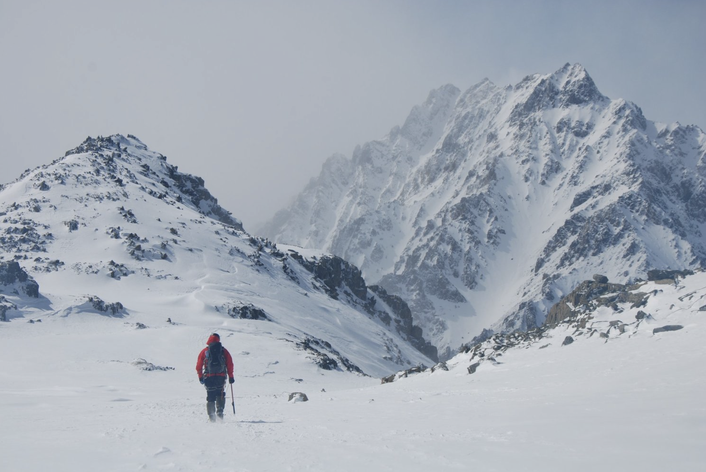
x,y
112,229
487,206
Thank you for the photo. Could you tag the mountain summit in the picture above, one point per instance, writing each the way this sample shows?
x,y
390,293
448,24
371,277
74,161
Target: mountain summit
x,y
488,206
111,229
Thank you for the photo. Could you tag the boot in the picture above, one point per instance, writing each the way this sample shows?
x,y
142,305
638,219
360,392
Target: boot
x,y
220,405
211,409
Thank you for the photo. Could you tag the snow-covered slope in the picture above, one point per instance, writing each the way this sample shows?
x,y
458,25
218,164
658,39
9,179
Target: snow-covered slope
x,y
487,206
112,229
74,395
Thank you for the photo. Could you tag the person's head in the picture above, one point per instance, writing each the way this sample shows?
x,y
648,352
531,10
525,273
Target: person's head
x,y
214,338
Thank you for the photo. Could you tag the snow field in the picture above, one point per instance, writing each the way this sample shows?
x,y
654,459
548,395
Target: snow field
x,y
71,396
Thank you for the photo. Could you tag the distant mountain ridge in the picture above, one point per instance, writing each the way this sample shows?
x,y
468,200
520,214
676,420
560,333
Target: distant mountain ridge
x,y
112,229
488,206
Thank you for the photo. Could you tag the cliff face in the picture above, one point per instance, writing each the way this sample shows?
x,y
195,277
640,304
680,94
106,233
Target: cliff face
x,y
487,206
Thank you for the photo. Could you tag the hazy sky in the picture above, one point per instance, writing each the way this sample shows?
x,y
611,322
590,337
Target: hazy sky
x,y
254,96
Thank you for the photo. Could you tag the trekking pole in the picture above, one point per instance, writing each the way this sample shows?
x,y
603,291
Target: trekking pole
x,y
232,398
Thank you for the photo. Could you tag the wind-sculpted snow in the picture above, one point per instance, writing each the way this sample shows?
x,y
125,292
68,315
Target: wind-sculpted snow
x,y
112,229
523,192
612,387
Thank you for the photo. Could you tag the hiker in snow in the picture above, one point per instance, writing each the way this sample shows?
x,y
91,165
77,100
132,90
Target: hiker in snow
x,y
213,365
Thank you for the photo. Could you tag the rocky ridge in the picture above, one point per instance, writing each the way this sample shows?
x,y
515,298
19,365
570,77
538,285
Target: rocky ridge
x,y
114,219
595,309
490,205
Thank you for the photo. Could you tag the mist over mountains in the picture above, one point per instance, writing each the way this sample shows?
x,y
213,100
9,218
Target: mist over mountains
x,y
474,217
487,206
492,212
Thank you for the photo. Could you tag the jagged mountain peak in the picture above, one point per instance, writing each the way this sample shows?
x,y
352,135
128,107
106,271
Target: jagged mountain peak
x,y
423,121
116,162
577,87
102,143
519,194
569,86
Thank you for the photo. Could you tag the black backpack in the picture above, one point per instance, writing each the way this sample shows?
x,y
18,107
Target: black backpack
x,y
215,359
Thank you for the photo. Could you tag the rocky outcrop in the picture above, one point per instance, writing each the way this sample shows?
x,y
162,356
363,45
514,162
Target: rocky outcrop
x,y
667,275
296,397
13,279
245,311
183,188
334,272
325,356
404,323
666,328
339,278
591,294
112,309
5,306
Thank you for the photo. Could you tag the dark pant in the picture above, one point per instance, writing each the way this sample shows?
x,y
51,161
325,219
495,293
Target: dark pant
x,y
215,395
214,387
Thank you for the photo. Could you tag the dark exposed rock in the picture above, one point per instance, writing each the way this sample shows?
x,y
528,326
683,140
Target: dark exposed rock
x,y
411,371
339,276
11,274
404,322
142,364
246,311
666,328
318,349
334,272
389,379
181,187
118,270
193,188
128,215
113,232
483,336
295,397
72,225
601,279
617,324
655,275
5,306
589,295
567,340
114,309
439,366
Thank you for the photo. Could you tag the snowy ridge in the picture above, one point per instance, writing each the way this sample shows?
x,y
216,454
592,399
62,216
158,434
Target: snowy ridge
x,y
596,312
521,194
113,224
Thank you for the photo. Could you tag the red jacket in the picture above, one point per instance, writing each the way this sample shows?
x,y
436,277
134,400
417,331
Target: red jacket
x,y
202,359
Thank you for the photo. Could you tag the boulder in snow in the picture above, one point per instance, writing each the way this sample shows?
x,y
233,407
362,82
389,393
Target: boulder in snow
x,y
295,397
665,328
601,279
